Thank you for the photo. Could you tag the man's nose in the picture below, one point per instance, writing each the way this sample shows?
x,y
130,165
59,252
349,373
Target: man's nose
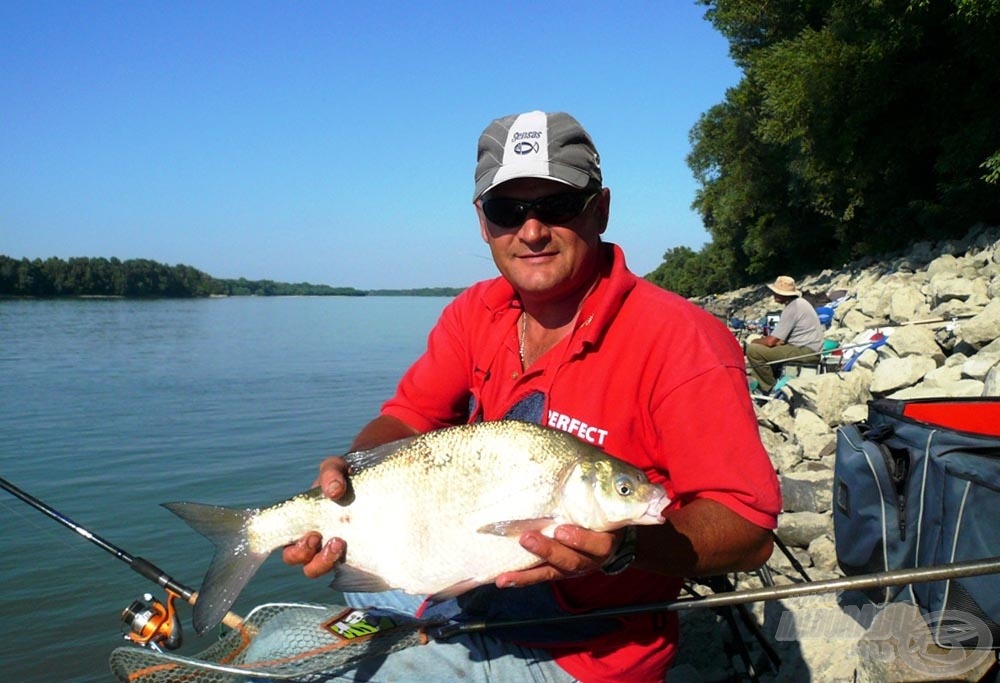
x,y
533,230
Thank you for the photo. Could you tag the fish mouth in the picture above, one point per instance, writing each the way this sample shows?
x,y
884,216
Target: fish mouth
x,y
654,510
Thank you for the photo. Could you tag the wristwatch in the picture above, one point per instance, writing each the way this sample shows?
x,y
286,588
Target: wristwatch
x,y
623,556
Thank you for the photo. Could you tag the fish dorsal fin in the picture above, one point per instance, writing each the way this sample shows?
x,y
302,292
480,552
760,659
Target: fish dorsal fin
x,y
362,460
516,527
353,580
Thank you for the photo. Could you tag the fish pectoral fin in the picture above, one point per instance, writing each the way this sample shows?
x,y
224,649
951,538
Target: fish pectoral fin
x,y
516,527
353,580
454,590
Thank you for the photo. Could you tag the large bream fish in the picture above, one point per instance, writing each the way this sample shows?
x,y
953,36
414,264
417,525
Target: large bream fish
x,y
436,514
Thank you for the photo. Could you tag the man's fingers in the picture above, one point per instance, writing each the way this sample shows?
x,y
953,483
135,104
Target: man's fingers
x,y
332,477
325,559
529,577
303,550
572,555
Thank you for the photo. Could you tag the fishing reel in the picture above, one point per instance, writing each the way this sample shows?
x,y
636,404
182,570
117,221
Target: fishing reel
x,y
150,623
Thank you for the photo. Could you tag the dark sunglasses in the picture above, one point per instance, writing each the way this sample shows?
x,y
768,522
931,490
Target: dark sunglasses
x,y
555,208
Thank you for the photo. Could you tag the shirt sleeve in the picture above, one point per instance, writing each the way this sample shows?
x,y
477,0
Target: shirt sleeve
x,y
713,447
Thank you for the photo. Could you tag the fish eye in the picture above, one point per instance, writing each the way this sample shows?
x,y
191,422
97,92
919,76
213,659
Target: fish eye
x,y
624,485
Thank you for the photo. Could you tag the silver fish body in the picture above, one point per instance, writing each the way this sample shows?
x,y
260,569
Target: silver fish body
x,y
435,514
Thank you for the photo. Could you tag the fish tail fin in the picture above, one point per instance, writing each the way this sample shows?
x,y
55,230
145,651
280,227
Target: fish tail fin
x,y
233,565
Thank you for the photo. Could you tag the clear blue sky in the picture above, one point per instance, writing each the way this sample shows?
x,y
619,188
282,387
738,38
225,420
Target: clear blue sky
x,y
332,142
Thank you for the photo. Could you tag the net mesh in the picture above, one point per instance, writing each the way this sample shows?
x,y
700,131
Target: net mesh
x,y
279,641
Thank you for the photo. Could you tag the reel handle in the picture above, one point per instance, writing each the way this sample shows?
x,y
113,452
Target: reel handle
x,y
150,623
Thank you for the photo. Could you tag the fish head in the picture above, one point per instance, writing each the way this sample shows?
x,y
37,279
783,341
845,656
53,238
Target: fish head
x,y
604,493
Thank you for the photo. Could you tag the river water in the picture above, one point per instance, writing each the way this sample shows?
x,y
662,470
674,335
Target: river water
x,y
110,407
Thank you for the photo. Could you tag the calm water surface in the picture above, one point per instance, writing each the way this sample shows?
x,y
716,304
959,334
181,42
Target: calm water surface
x,y
110,407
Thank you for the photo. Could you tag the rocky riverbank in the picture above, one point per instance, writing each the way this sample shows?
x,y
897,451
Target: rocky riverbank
x,y
919,324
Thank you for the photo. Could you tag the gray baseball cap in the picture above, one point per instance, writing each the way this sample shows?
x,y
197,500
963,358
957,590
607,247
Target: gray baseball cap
x,y
536,145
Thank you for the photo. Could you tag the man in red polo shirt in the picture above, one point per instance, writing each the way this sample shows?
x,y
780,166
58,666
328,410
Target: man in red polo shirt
x,y
568,337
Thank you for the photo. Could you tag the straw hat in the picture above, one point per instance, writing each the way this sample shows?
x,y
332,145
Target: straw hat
x,y
785,286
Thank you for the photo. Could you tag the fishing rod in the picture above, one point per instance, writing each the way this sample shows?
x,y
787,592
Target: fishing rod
x,y
149,623
895,577
821,352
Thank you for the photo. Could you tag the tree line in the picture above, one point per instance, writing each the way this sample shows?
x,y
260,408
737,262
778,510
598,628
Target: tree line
x,y
857,128
138,278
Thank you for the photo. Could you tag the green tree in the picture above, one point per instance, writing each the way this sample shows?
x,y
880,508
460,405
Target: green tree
x,y
857,127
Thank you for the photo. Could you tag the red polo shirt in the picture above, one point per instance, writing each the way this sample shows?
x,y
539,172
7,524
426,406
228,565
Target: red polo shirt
x,y
645,375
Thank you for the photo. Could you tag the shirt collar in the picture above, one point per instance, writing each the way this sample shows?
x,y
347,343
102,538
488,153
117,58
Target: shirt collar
x,y
599,308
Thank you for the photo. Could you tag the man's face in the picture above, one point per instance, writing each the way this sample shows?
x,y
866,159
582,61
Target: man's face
x,y
541,259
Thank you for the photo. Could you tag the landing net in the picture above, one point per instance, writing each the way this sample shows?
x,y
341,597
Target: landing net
x,y
279,641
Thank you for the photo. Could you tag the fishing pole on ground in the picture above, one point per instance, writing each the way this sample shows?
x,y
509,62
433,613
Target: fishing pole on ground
x,y
821,352
149,622
894,577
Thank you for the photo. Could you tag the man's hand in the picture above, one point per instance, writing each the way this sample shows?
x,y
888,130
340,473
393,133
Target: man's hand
x,y
770,341
573,552
702,538
309,551
318,559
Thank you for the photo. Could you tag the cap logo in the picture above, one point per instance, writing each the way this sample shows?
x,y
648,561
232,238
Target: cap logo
x,y
526,148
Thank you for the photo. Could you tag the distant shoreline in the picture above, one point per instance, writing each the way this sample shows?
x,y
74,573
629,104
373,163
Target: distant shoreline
x,y
101,278
430,292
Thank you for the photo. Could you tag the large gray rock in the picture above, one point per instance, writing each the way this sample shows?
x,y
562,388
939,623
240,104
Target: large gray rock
x,y
814,435
777,415
991,385
966,388
946,263
943,376
807,491
787,457
945,286
857,321
983,328
823,554
916,340
802,528
979,365
829,395
893,374
907,303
